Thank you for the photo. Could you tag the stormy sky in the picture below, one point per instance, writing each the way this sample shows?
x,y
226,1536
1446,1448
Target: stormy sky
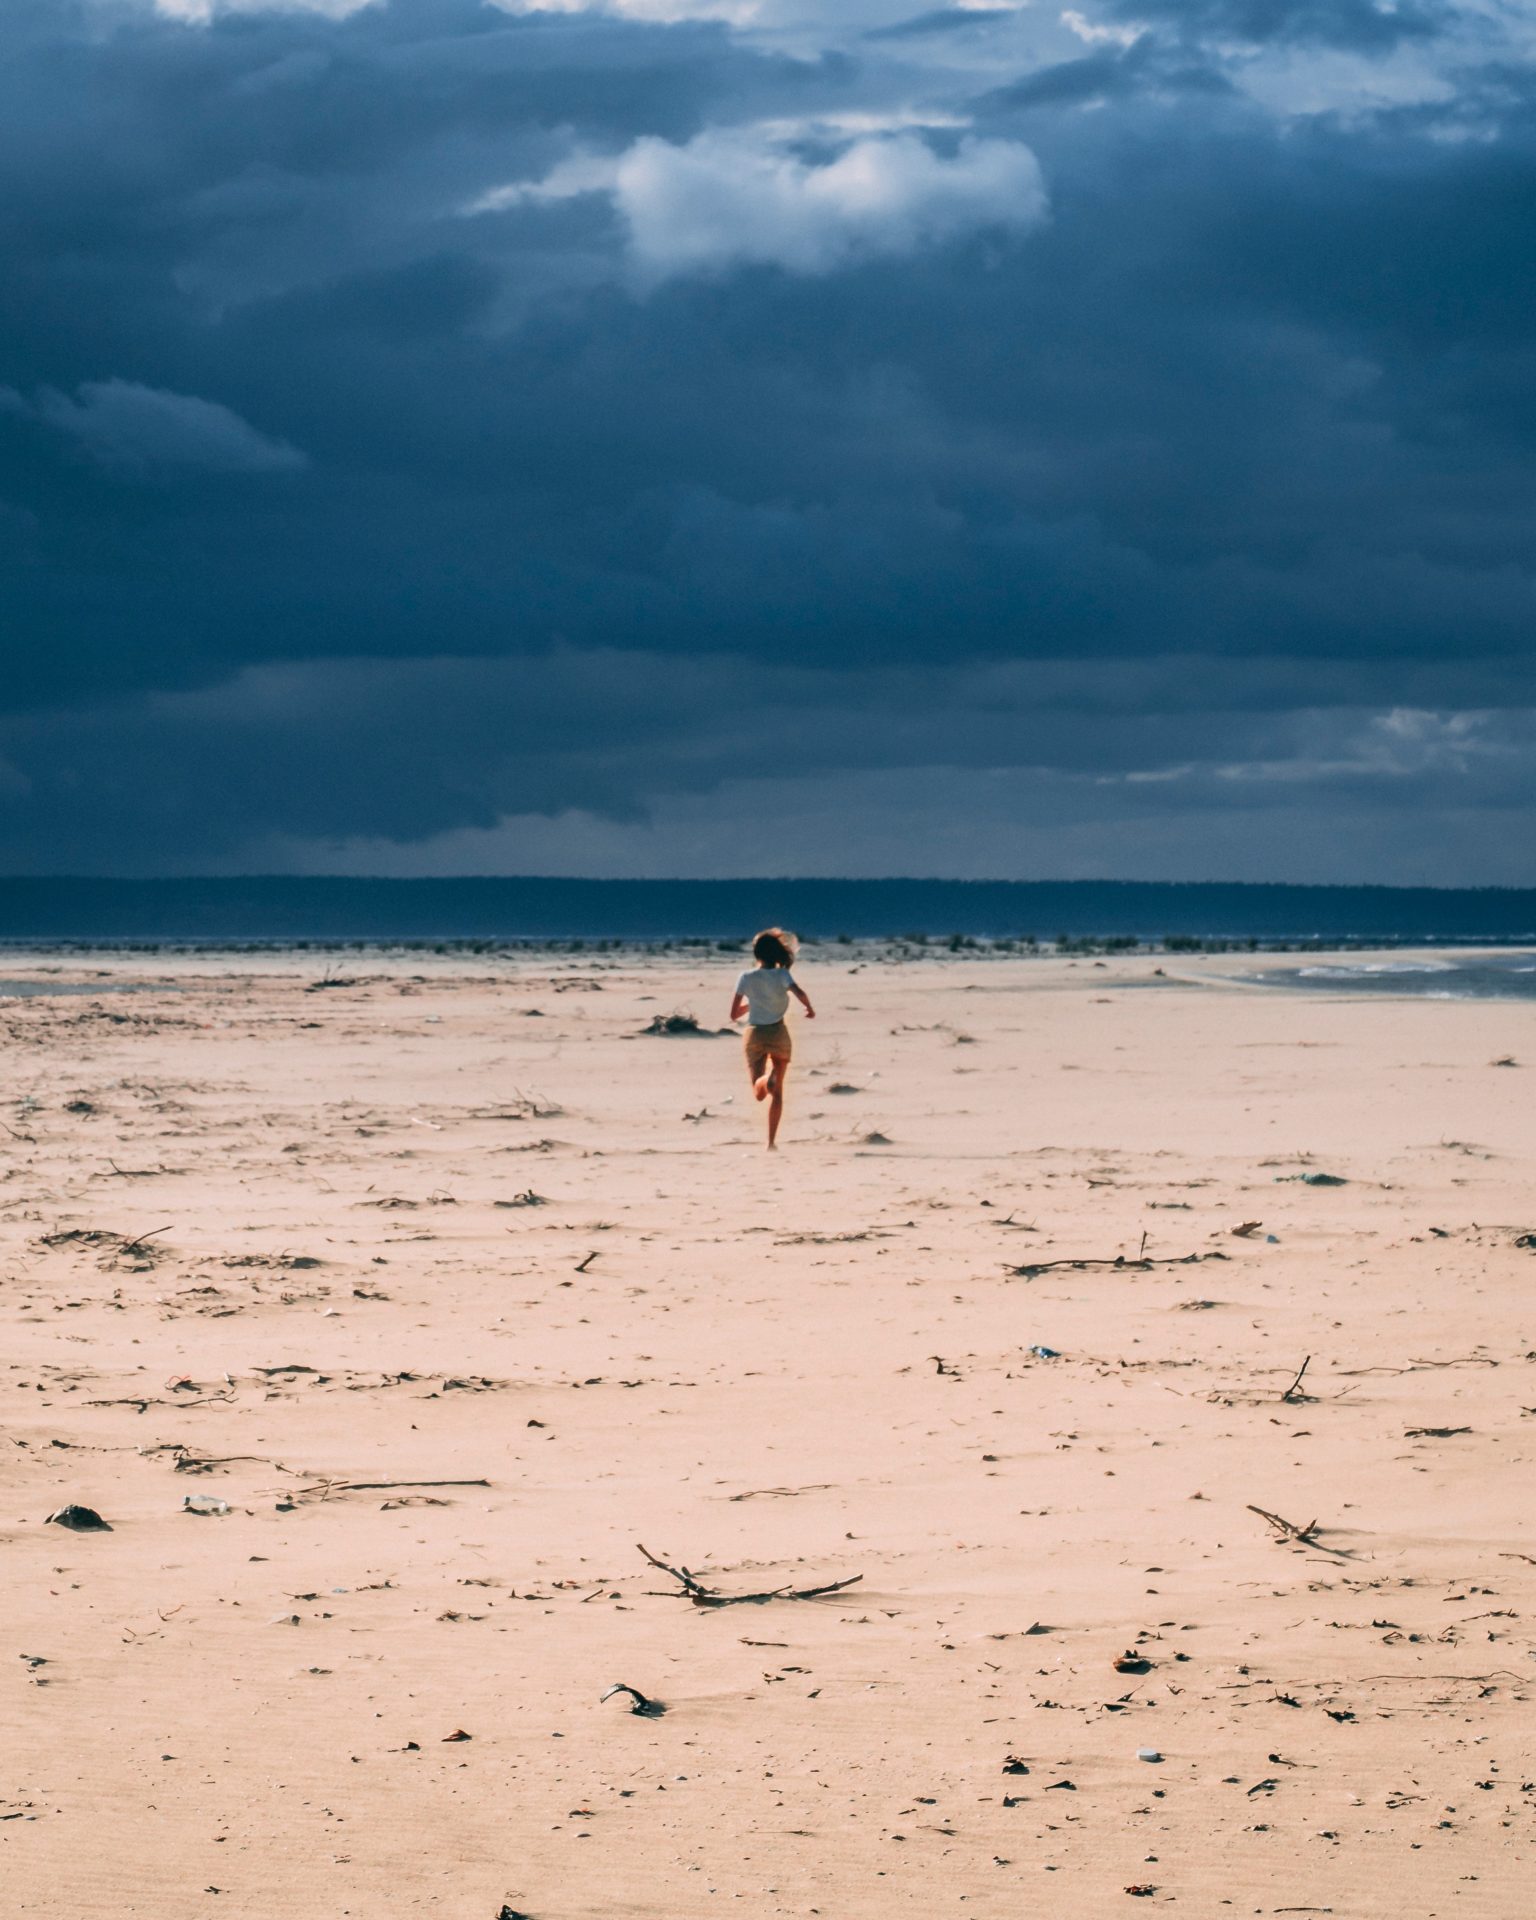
x,y
707,437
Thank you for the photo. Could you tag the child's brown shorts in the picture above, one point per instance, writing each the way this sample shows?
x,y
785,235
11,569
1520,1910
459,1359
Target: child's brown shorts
x,y
763,1041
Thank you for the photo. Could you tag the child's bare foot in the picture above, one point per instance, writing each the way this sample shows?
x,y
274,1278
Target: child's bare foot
x,y
760,1088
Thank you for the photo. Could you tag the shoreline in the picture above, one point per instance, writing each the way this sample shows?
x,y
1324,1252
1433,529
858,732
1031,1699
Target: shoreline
x,y
138,965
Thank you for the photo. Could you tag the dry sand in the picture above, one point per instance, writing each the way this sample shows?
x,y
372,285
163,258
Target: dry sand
x,y
459,1221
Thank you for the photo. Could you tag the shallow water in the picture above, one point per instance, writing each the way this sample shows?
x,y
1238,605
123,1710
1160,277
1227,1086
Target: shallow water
x,y
1506,976
32,989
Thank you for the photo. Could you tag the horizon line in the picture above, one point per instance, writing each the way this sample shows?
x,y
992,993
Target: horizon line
x,y
733,880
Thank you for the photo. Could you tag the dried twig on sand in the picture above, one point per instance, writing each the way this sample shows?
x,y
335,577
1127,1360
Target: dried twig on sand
x,y
112,1245
1288,1529
325,1488
1293,1392
184,1461
1121,1261
703,1596
781,1493
1420,1366
521,1106
139,1244
681,1024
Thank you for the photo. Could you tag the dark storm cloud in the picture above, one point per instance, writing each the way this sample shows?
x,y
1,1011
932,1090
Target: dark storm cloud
x,y
1142,67
371,750
141,432
940,20
443,414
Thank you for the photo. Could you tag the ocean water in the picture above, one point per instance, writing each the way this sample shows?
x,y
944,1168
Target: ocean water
x,y
1494,976
322,908
31,989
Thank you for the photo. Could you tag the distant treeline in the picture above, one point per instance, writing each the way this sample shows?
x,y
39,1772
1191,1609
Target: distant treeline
x,y
288,908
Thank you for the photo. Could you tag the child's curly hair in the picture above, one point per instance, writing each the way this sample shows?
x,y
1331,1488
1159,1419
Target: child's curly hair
x,y
775,948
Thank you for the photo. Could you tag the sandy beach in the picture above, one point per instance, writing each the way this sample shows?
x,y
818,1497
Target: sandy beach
x,y
457,1288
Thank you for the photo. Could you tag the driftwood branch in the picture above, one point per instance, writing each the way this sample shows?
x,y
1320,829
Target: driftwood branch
x,y
327,1487
185,1462
1292,1391
702,1596
1120,1261
689,1585
1419,1366
378,1486
1288,1529
140,1241
780,1493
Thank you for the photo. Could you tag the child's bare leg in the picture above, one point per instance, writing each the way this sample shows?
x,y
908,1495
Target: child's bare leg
x,y
778,1071
759,1072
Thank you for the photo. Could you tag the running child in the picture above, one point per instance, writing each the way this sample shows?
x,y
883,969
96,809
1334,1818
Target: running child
x,y
762,993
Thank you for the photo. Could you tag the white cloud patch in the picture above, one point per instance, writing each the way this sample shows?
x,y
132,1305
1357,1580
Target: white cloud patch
x,y
201,12
1402,743
135,429
741,197
739,13
1098,35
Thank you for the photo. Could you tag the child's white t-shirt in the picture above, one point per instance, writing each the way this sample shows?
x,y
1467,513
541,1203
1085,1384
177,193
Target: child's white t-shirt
x,y
766,992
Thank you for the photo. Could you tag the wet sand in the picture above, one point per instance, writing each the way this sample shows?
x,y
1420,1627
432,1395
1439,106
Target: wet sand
x,y
320,1250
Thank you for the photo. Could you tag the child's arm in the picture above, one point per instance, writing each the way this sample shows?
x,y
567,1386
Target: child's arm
x,y
810,1011
738,1005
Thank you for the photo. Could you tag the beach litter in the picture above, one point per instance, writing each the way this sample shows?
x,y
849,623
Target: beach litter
x,y
680,1025
206,1503
1149,1754
638,1702
1045,1353
78,1520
